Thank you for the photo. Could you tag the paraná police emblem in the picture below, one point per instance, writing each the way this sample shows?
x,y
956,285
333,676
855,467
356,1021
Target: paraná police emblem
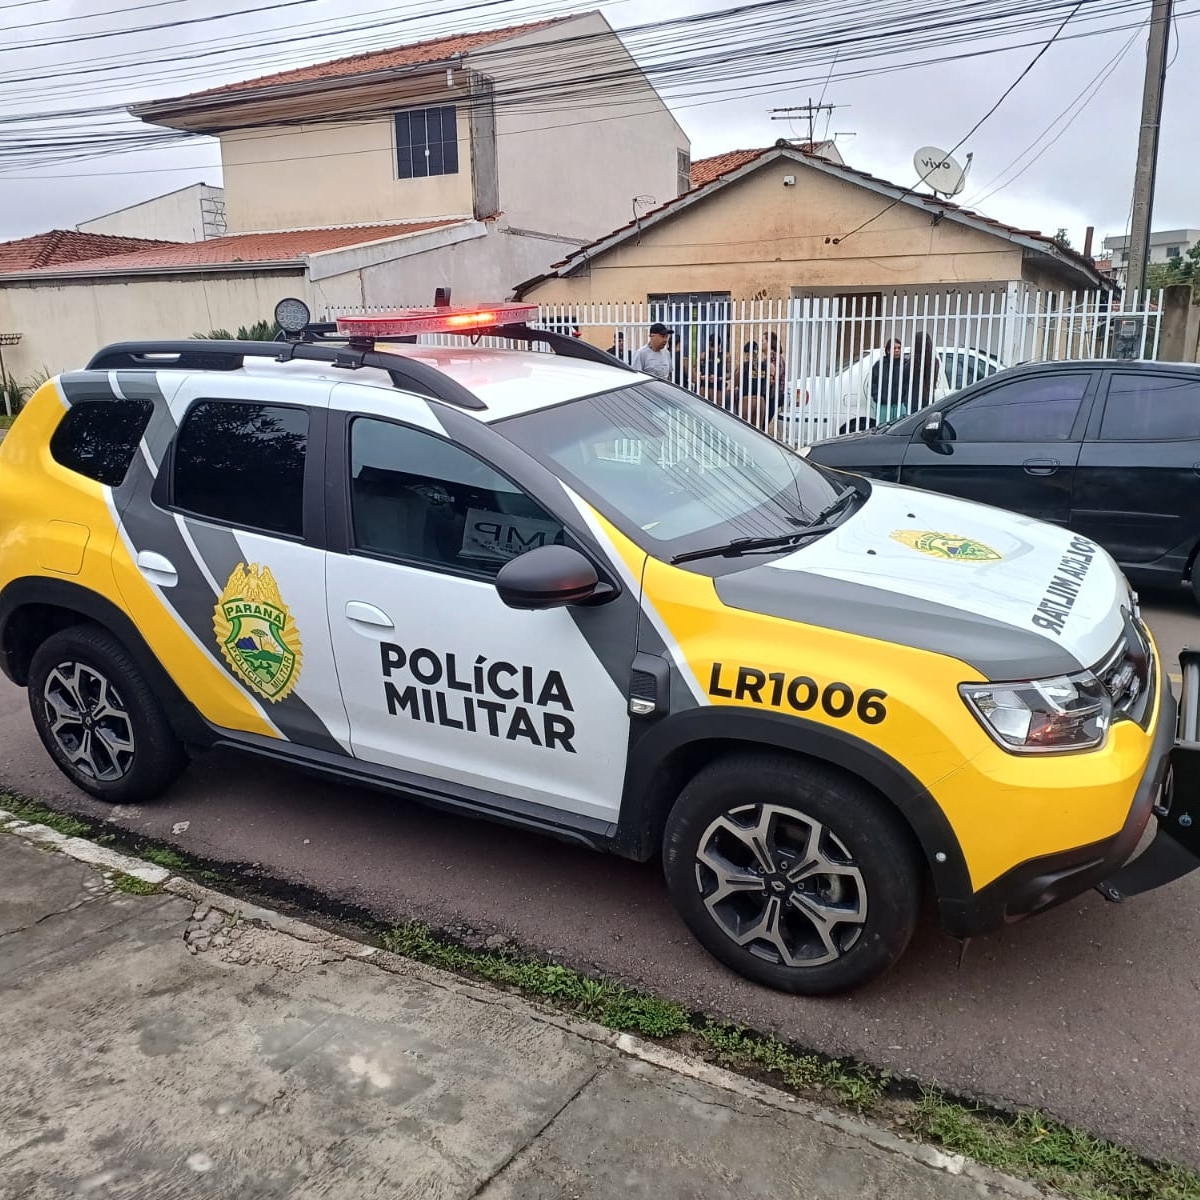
x,y
255,632
945,545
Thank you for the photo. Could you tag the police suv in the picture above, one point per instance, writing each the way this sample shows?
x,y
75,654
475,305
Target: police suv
x,y
548,590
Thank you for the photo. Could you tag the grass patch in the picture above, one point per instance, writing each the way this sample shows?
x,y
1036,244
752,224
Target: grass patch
x,y
133,885
39,814
1031,1145
597,1000
6,420
162,857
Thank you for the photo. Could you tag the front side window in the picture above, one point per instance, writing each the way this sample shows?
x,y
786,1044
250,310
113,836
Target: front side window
x,y
674,472
243,464
1028,410
99,438
1151,408
427,142
423,500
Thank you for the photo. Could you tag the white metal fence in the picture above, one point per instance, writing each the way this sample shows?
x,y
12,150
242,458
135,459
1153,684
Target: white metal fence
x,y
806,368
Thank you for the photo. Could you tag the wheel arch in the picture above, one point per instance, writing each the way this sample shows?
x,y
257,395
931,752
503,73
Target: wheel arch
x,y
33,609
671,751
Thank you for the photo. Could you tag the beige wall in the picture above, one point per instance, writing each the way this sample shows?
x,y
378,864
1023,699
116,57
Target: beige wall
x,y
306,176
759,238
65,324
188,215
570,166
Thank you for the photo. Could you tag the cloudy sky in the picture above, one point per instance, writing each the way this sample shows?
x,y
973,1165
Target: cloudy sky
x,y
1059,152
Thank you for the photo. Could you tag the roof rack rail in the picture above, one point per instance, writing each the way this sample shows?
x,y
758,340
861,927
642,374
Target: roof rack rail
x,y
218,355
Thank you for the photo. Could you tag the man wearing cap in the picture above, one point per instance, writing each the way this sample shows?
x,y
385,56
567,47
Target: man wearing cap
x,y
654,358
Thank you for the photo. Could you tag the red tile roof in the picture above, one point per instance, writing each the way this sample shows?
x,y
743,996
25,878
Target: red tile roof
x,y
706,171
59,246
241,248
433,50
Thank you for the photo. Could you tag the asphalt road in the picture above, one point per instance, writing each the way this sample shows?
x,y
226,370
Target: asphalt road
x,y
1088,1012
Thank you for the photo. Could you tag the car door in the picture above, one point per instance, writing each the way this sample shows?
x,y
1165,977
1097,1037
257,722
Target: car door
x,y
441,680
231,538
1013,443
1137,487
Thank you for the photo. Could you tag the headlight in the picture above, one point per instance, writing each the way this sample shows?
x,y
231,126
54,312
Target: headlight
x,y
1070,712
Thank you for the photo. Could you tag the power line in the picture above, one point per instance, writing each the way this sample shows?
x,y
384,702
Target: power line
x,y
974,128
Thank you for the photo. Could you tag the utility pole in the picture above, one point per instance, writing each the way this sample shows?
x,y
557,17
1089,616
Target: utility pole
x,y
809,112
1147,159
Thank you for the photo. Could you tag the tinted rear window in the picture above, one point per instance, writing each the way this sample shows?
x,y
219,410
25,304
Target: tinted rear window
x,y
98,438
243,464
1151,408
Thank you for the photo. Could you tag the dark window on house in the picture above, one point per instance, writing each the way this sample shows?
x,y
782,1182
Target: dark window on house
x,y
99,438
427,142
683,168
1151,408
243,464
1174,251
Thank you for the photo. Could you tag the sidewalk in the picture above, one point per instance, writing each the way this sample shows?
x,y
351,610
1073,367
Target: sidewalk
x,y
183,1044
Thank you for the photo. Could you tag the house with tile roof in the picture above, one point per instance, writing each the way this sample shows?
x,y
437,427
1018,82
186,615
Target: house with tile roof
x,y
462,162
794,221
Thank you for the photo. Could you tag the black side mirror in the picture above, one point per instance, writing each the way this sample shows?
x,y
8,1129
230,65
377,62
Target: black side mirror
x,y
550,577
931,431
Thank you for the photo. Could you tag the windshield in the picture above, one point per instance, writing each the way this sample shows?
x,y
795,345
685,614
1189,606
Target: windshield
x,y
672,471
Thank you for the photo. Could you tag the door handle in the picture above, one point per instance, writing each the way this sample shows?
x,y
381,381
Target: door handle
x,y
1040,466
157,569
368,614
1196,468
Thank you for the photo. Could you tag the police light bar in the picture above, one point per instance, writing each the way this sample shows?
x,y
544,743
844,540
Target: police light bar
x,y
404,322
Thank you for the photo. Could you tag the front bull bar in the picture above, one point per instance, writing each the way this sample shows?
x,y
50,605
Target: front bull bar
x,y
1175,849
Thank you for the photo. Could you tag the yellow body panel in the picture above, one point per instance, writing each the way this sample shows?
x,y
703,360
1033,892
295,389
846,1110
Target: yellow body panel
x,y
1004,808
37,493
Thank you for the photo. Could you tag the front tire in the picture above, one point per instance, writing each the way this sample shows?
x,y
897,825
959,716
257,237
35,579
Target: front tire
x,y
98,718
791,873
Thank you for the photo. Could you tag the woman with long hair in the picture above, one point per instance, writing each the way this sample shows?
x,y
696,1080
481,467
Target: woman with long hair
x,y
922,371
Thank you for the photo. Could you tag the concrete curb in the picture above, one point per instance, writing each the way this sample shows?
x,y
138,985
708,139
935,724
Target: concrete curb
x,y
623,1043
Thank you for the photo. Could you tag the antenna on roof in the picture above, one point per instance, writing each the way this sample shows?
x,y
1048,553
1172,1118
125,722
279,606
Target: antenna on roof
x,y
940,171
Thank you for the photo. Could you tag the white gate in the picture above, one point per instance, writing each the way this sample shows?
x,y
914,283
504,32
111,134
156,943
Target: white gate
x,y
805,368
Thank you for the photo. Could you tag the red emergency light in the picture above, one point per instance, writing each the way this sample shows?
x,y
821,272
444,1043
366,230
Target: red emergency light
x,y
405,322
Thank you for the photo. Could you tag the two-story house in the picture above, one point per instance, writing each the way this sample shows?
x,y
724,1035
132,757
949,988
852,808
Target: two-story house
x,y
468,161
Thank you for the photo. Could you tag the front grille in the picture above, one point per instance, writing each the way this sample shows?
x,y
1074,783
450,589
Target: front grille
x,y
1127,674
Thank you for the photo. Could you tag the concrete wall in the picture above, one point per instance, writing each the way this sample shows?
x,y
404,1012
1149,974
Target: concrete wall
x,y
64,324
571,165
760,239
476,269
311,176
190,214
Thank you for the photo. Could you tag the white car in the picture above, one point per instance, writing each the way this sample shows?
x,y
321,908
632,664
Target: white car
x,y
842,403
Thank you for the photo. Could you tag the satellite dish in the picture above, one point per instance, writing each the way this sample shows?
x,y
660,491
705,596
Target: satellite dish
x,y
939,170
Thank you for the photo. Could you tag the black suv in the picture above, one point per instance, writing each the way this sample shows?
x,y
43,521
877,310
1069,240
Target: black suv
x,y
1109,448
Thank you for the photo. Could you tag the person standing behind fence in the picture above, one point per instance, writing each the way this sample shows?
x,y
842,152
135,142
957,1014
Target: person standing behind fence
x,y
751,385
888,379
654,358
713,372
922,372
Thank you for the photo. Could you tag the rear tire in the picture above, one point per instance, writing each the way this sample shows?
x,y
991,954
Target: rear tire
x,y
98,718
792,873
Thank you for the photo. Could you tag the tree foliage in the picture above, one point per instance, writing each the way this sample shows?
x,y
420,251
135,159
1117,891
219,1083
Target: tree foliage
x,y
1184,269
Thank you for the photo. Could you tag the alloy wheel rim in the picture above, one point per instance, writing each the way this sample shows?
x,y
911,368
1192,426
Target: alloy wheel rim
x,y
88,721
778,883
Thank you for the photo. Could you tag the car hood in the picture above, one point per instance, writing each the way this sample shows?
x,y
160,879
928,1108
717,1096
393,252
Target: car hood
x,y
1013,597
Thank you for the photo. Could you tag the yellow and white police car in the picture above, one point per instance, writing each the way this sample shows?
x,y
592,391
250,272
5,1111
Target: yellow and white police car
x,y
548,590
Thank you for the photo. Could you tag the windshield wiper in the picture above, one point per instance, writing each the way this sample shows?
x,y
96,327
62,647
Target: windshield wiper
x,y
747,545
844,497
779,541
